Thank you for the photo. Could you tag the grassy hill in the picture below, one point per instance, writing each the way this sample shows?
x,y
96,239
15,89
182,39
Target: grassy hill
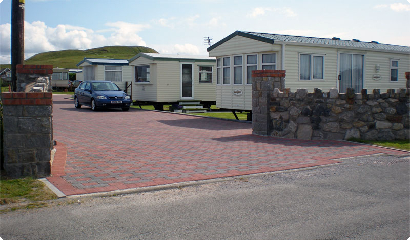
x,y
70,58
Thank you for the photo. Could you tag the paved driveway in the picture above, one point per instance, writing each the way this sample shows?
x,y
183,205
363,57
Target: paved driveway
x,y
113,150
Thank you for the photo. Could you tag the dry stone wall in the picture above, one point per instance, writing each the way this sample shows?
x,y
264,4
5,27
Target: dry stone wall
x,y
329,115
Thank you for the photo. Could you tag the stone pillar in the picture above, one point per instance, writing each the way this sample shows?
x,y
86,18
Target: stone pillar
x,y
263,84
27,134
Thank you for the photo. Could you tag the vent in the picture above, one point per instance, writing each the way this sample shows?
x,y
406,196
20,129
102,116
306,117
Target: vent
x,y
335,38
356,40
376,42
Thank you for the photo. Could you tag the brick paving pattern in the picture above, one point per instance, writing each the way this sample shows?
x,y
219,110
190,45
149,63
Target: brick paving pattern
x,y
113,150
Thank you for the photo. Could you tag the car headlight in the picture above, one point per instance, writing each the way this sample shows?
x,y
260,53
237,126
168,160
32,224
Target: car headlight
x,y
101,97
127,97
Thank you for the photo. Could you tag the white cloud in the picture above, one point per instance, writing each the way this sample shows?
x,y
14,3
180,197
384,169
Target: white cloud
x,y
400,7
38,37
259,11
181,49
397,7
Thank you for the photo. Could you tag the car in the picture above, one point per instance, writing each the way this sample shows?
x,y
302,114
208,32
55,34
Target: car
x,y
101,94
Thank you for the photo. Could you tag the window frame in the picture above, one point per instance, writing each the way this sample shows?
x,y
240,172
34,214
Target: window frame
x,y
236,66
218,71
250,64
228,67
116,70
207,73
312,66
148,74
269,64
394,68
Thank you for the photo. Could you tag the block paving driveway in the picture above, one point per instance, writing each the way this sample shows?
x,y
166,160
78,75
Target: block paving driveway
x,y
113,150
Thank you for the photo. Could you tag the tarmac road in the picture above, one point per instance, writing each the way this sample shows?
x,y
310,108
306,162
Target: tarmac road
x,y
361,198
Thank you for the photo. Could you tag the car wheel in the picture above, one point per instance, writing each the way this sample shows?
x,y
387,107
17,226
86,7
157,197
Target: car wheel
x,y
77,103
126,109
93,106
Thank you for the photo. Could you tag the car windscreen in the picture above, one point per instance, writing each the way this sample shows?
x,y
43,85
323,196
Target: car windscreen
x,y
105,86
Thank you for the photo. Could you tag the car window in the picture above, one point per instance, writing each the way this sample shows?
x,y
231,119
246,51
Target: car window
x,y
105,86
81,86
87,86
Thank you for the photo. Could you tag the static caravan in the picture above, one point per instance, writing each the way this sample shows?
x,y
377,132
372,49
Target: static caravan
x,y
114,70
59,79
162,79
309,63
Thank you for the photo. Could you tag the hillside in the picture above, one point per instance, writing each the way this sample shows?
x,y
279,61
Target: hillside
x,y
70,58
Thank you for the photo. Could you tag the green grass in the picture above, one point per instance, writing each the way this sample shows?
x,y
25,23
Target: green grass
x,y
23,190
215,114
70,58
4,89
70,93
223,115
399,144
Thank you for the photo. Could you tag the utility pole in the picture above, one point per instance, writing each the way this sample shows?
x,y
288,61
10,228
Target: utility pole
x,y
17,38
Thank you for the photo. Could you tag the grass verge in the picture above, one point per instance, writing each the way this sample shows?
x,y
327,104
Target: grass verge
x,y
399,144
28,192
215,114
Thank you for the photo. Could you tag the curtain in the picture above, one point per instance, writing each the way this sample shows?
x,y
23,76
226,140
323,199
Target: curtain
x,y
317,67
351,72
345,72
268,58
305,66
357,72
249,70
237,78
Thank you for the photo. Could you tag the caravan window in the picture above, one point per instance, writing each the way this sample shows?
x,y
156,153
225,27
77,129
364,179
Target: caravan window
x,y
142,73
269,61
205,74
226,70
113,73
311,67
394,71
251,64
237,69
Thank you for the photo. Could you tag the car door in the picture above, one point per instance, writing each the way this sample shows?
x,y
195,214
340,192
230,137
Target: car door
x,y
87,93
79,92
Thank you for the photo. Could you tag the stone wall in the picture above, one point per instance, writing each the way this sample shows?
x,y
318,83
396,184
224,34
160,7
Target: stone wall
x,y
28,142
330,115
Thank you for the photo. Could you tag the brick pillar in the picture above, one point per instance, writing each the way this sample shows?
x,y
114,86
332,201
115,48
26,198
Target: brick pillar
x,y
34,78
28,130
263,84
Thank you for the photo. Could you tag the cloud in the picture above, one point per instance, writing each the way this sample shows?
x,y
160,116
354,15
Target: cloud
x,y
259,11
397,7
38,37
400,7
181,49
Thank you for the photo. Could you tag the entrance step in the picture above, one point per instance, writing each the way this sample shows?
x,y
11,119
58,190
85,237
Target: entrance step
x,y
191,106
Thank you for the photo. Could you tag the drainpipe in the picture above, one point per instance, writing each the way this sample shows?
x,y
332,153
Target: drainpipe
x,y
283,57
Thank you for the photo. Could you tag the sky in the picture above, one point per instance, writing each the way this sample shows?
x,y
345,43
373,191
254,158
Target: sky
x,y
180,26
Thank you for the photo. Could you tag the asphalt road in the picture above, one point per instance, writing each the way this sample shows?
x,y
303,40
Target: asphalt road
x,y
361,198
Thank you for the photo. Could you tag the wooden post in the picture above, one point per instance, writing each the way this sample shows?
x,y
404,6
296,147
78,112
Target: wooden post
x,y
17,38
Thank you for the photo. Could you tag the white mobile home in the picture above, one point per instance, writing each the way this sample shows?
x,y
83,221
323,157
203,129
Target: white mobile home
x,y
59,79
309,63
165,78
114,70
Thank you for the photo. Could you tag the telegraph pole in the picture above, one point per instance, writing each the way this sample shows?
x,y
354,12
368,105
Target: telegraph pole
x,y
17,38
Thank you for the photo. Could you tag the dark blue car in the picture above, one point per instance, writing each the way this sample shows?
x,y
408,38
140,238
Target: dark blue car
x,y
101,94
